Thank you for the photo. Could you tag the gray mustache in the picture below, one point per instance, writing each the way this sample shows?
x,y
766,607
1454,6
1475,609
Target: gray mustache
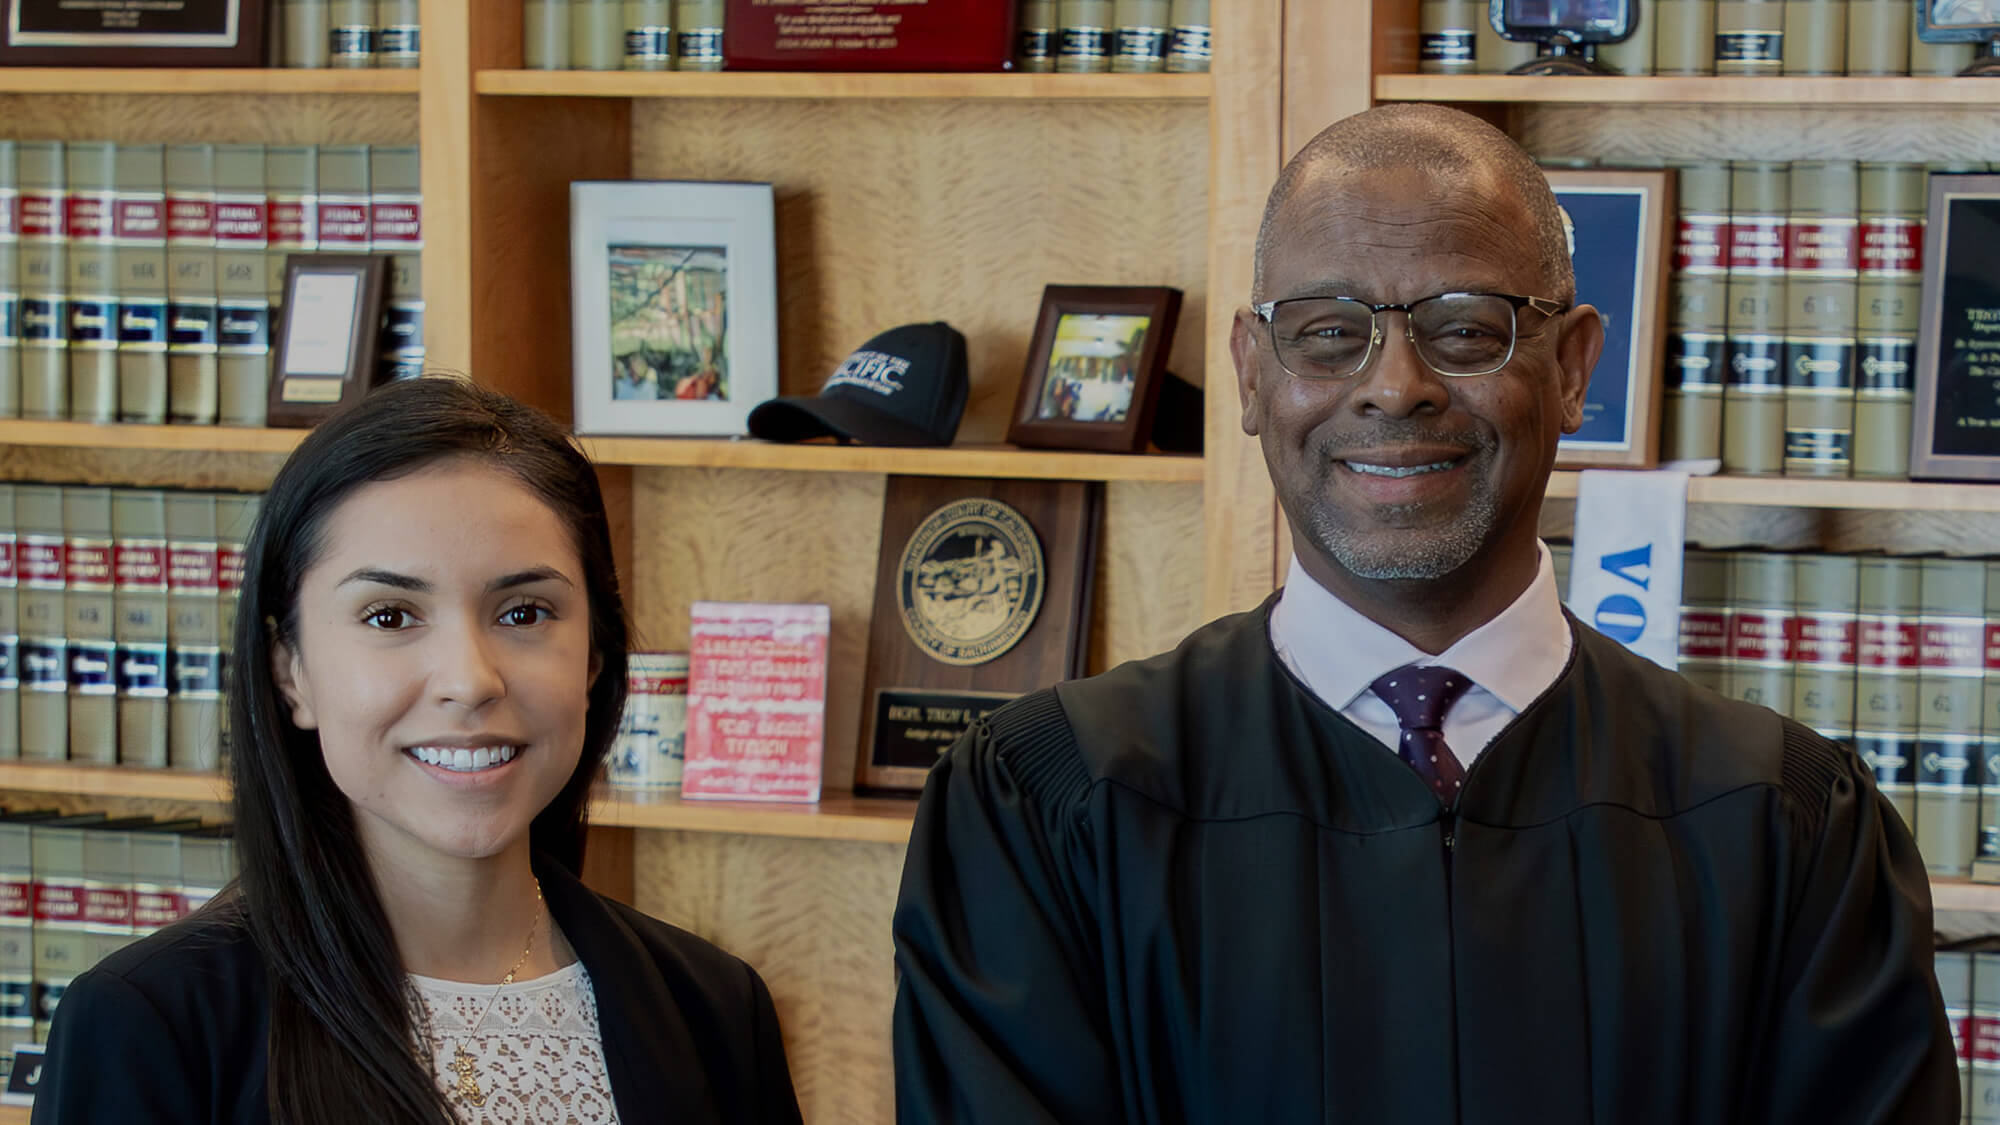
x,y
1379,437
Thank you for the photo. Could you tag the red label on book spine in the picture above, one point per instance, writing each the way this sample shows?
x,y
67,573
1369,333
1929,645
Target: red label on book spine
x,y
1827,640
398,224
756,701
191,218
1704,633
1889,642
107,906
8,574
1983,1036
153,909
10,214
1701,243
1757,243
343,226
1952,645
139,218
42,215
294,222
1823,246
42,561
229,568
191,568
89,216
89,565
1993,647
141,564
242,223
1892,246
58,902
16,898
1761,635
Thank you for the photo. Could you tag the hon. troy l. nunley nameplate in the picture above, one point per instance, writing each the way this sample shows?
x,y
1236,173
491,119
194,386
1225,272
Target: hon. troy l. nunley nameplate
x,y
982,593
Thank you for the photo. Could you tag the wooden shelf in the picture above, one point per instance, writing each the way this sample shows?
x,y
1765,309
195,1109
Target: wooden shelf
x,y
1697,90
1963,896
955,461
114,781
202,80
1801,492
675,84
126,435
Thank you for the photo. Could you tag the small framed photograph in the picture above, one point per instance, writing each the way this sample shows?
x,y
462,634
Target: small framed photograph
x,y
1094,367
1619,221
1955,426
674,306
1958,21
327,359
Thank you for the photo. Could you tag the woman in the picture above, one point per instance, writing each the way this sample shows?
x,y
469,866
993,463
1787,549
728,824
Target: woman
x,y
431,669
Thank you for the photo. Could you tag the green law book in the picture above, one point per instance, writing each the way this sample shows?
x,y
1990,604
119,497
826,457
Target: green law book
x,y
1888,300
156,880
1953,970
17,931
1447,35
90,612
649,34
107,892
1190,45
1761,590
1635,53
397,35
10,628
1815,37
1749,37
208,863
291,192
1886,687
1140,30
1982,1087
1825,646
1686,36
235,517
93,281
1083,36
194,645
1989,726
1035,52
1705,619
61,945
1753,422
139,551
1821,262
545,35
1697,331
192,318
1951,643
698,35
306,34
10,282
139,226
1878,37
242,239
44,260
396,228
38,523
351,34
596,34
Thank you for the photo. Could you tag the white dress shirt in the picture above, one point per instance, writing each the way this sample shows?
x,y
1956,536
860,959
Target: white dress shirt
x,y
1337,652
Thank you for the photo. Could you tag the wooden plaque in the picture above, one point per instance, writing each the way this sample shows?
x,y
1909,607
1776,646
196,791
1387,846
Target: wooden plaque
x,y
982,594
180,33
334,304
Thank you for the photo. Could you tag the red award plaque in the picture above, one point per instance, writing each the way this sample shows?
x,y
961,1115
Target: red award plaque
x,y
850,35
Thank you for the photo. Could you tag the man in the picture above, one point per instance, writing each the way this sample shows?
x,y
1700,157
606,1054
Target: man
x,y
1407,844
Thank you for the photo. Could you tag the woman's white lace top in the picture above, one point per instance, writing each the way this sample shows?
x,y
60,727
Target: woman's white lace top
x,y
537,1053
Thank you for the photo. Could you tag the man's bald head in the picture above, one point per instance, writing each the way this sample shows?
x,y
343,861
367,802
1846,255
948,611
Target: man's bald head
x,y
1442,144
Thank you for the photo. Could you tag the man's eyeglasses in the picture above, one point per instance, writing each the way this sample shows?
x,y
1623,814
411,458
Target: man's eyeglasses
x,y
1454,333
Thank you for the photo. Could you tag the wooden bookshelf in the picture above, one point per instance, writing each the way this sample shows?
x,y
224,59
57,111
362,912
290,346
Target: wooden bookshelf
x,y
954,461
204,80
133,436
675,84
114,781
1803,492
1697,90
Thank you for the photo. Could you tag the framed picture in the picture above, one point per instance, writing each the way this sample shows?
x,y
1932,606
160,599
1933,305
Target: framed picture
x,y
190,33
1619,221
1094,367
1955,426
327,358
1958,21
674,306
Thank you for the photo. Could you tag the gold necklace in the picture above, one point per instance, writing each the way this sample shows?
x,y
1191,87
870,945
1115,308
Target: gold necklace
x,y
462,1063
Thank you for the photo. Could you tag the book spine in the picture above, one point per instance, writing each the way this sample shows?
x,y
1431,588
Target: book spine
x,y
60,939
1697,335
156,882
1878,37
93,281
1749,37
43,553
1815,36
205,867
1951,644
194,739
596,34
10,281
1083,36
1761,629
1753,424
44,254
1886,685
10,629
1938,60
1888,300
17,941
139,535
1989,723
1190,47
107,892
1982,1047
91,612
1686,39
396,227
242,239
1705,625
351,34
1447,35
1822,252
139,230
235,516
1035,49
649,35
306,35
1827,640
545,35
192,318
1954,977
291,186
398,37
1634,54
698,42
1139,43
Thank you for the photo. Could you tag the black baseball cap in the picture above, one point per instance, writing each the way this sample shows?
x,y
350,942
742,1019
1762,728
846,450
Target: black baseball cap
x,y
907,386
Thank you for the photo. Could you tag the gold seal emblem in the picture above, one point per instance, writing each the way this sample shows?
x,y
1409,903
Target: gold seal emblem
x,y
971,581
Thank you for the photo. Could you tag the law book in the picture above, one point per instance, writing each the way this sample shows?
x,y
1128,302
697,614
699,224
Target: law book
x,y
1685,41
649,35
139,558
1190,45
304,34
10,628
1753,411
1697,359
1762,593
596,34
90,615
1035,50
545,34
1982,1092
346,215
1705,612
107,892
44,258
1886,684
1815,37
398,35
1888,299
61,944
156,879
1447,35
396,228
235,516
192,329
1878,37
1825,648
139,231
17,930
1822,256
1953,969
1749,37
1951,645
10,281
1083,36
1560,555
93,280
1635,53
42,551
194,646
208,863
291,192
698,34
351,34
1139,37
242,239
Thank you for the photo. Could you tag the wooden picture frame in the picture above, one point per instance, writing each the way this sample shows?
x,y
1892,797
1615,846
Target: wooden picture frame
x,y
1620,223
1094,367
1955,423
195,33
697,359
327,346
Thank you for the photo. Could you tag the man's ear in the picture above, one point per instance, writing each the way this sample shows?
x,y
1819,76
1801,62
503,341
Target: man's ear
x,y
288,675
1577,348
1243,352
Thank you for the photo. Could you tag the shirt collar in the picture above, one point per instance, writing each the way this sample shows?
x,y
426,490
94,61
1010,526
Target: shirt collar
x,y
1339,652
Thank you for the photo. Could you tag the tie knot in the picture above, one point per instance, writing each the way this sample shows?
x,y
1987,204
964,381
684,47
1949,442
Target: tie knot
x,y
1419,694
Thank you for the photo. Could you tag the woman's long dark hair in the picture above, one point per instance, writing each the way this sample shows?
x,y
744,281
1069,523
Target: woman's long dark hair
x,y
341,1032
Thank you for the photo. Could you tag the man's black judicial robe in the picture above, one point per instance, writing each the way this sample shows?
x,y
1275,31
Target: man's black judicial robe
x,y
1188,891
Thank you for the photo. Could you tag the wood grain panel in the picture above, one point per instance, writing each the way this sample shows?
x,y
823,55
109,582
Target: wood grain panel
x,y
269,118
146,468
1712,132
812,918
897,211
1149,556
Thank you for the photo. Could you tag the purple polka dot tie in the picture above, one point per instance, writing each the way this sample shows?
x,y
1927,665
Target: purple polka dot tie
x,y
1420,695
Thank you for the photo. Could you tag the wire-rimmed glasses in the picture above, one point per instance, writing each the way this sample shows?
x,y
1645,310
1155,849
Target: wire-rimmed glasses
x,y
1458,334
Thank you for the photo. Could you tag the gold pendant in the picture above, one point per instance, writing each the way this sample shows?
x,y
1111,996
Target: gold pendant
x,y
468,1081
